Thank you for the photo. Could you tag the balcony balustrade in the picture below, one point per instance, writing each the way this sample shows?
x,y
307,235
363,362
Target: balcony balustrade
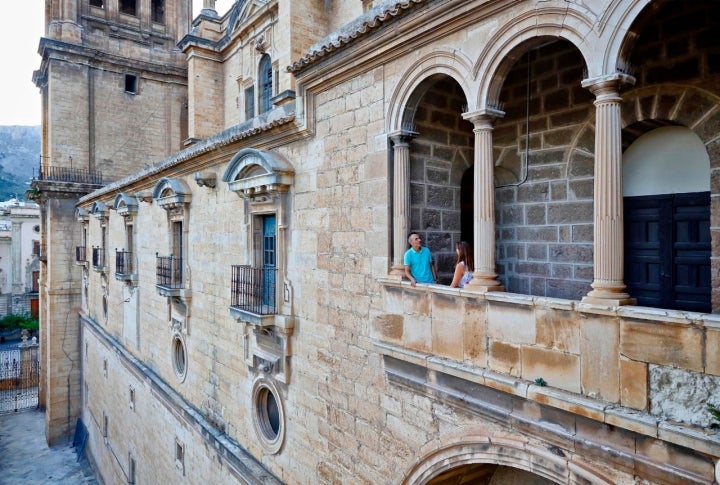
x,y
169,273
123,265
68,174
254,289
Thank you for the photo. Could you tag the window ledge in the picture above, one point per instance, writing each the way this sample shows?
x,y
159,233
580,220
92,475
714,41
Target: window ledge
x,y
172,292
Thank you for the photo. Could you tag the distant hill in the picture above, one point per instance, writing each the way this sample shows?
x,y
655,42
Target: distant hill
x,y
19,155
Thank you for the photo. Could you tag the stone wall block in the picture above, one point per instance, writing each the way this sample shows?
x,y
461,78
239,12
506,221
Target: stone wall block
x,y
600,367
558,329
447,327
504,357
475,337
511,323
417,333
663,344
712,356
558,369
633,384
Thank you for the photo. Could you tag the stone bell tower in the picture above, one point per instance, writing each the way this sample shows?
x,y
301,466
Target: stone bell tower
x,y
114,98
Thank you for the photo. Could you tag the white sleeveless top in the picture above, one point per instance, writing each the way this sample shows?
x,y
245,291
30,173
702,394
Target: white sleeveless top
x,y
466,277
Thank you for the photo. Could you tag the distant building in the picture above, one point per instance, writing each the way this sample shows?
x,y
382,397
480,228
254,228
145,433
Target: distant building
x,y
226,203
19,257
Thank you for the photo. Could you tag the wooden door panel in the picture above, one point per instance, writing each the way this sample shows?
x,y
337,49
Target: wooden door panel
x,y
667,250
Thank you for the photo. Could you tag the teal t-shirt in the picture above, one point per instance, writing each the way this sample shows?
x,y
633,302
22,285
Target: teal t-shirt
x,y
419,262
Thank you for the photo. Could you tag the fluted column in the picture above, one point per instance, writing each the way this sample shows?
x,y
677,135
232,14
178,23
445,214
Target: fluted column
x,y
401,198
608,284
484,276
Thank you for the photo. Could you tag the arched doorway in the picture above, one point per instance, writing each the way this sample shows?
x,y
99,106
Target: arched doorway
x,y
666,188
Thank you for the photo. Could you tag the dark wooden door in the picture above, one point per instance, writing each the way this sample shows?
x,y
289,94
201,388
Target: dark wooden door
x,y
667,250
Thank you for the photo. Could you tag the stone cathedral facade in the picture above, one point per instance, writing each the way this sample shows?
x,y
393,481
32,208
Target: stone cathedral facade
x,y
225,205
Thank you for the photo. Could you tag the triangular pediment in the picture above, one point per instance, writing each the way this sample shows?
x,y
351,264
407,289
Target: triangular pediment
x,y
247,10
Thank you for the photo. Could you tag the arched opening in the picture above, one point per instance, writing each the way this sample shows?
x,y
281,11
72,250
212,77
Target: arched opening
x,y
666,187
440,156
669,222
543,196
487,474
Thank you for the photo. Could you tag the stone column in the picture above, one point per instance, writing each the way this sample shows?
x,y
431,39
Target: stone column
x,y
484,277
608,284
401,199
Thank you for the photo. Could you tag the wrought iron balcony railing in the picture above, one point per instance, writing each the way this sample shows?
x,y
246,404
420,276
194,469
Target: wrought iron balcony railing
x,y
98,258
123,263
254,289
168,270
67,174
80,255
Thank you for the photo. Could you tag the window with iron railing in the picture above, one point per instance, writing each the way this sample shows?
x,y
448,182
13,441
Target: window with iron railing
x,y
169,273
123,262
254,289
80,256
98,257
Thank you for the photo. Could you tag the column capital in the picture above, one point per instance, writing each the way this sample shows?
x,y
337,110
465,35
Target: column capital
x,y
607,86
483,117
402,137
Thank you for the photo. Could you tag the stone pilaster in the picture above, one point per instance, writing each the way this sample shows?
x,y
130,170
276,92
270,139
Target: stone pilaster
x,y
401,198
608,284
484,277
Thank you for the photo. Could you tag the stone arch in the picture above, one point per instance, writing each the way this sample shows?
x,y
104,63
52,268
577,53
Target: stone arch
x,y
99,210
251,173
125,204
505,452
501,51
620,17
646,108
171,188
407,95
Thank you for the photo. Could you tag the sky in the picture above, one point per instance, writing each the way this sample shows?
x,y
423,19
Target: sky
x,y
19,40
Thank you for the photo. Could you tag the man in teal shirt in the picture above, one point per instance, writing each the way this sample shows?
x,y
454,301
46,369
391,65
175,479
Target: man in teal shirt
x,y
419,265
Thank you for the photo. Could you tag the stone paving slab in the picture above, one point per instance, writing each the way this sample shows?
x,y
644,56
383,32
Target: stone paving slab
x,y
25,457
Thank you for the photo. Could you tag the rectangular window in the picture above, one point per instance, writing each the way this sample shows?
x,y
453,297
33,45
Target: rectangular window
x,y
131,84
130,239
128,7
249,102
177,239
105,426
179,456
97,3
36,281
36,248
158,11
131,469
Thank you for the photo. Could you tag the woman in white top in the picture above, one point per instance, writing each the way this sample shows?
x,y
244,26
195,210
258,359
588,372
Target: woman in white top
x,y
464,266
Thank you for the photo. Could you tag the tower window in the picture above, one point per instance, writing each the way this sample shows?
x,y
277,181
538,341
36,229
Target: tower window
x,y
97,3
131,84
158,11
266,75
128,7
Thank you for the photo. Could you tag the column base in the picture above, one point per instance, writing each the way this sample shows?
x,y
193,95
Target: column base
x,y
397,272
608,298
484,284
